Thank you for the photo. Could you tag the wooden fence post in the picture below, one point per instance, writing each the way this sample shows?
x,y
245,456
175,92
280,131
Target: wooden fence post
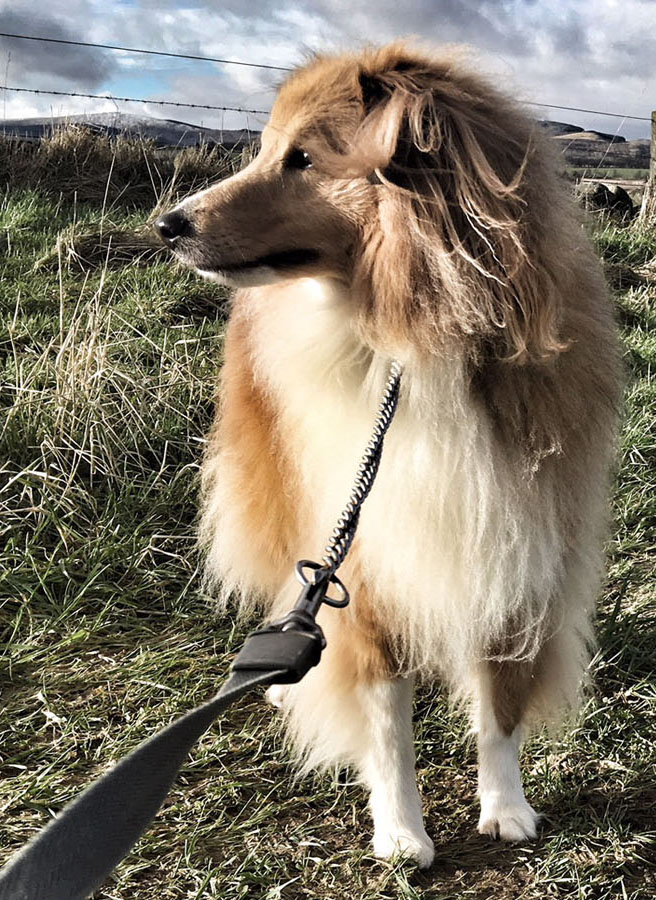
x,y
648,209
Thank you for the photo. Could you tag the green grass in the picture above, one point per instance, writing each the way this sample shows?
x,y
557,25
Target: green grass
x,y
107,380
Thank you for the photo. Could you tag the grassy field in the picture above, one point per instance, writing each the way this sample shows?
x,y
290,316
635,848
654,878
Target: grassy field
x,y
108,362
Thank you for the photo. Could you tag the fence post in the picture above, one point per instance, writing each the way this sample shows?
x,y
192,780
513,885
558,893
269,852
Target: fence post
x,y
648,209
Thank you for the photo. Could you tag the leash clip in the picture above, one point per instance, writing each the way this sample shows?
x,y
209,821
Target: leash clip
x,y
319,584
294,643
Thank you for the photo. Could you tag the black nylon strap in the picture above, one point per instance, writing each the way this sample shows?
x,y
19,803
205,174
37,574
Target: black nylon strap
x,y
74,854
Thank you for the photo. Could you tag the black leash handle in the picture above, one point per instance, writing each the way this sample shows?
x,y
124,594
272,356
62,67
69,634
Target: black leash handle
x,y
75,853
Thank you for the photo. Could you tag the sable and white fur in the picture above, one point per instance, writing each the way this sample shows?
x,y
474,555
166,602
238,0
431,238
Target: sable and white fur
x,y
430,227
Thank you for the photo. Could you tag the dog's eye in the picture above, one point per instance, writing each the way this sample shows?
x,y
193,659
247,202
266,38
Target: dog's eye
x,y
297,159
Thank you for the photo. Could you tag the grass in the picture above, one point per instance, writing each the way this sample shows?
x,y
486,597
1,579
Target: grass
x,y
86,167
107,370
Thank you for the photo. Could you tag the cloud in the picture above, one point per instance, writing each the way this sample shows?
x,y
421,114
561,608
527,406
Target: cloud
x,y
23,61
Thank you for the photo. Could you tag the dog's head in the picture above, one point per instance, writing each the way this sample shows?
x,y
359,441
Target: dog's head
x,y
406,178
286,214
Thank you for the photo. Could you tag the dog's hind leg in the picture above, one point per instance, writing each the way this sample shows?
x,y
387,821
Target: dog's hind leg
x,y
502,695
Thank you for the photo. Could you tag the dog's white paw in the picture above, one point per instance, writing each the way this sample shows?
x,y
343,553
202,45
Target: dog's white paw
x,y
412,845
276,695
510,820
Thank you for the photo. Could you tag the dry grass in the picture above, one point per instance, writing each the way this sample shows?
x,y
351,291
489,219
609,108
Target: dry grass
x,y
81,168
85,167
109,248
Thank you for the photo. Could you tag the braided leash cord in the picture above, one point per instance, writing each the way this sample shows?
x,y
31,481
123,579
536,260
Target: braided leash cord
x,y
344,532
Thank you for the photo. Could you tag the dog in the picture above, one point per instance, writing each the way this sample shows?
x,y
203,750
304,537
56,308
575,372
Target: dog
x,y
401,207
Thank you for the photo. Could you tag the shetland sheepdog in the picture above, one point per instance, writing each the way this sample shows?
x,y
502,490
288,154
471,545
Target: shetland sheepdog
x,y
401,207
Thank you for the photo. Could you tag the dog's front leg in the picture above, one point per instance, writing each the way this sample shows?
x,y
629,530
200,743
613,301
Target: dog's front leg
x,y
388,767
344,711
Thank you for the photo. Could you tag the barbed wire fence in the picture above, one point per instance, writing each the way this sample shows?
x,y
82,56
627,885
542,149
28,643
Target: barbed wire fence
x,y
239,109
221,61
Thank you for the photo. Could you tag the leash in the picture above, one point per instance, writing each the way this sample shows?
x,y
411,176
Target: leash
x,y
74,854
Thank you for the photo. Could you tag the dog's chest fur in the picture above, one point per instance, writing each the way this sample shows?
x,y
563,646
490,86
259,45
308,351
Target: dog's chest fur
x,y
445,541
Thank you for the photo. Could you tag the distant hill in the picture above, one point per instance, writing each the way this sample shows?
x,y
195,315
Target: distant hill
x,y
164,132
555,128
564,130
579,146
583,147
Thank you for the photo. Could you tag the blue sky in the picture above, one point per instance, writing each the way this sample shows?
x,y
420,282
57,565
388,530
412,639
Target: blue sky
x,y
598,55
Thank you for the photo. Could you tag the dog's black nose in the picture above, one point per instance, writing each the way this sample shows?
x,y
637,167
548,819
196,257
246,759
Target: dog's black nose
x,y
173,225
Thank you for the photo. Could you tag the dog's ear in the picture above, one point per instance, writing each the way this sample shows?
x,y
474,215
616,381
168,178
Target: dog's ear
x,y
372,89
376,87
384,132
454,155
377,138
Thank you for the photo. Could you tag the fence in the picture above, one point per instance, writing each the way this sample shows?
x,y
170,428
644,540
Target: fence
x,y
648,210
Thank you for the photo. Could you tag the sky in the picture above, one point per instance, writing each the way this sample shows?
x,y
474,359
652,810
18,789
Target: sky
x,y
597,54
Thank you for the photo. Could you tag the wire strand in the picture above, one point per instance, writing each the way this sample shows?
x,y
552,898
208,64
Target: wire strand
x,y
265,112
258,112
594,112
212,59
235,62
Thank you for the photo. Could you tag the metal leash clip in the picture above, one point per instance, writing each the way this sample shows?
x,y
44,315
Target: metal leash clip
x,y
294,643
323,576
